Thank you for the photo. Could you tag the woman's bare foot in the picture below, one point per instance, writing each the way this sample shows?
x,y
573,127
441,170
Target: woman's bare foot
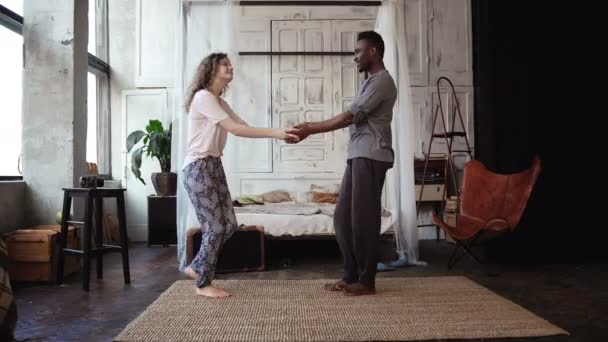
x,y
190,272
213,292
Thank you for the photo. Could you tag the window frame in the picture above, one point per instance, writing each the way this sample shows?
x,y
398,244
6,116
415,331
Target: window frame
x,y
13,22
100,68
96,65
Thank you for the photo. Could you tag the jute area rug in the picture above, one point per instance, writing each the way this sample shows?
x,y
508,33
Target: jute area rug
x,y
404,309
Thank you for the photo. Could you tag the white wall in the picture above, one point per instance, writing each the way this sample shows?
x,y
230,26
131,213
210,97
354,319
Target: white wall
x,y
121,30
134,72
142,54
54,104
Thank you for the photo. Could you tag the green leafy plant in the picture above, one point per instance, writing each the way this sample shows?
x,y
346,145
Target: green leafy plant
x,y
156,144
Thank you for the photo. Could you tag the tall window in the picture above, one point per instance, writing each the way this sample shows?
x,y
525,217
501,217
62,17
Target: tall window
x,y
91,118
13,5
92,48
92,90
11,73
98,95
11,69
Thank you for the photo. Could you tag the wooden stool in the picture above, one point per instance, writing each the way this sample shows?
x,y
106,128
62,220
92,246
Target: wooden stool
x,y
90,195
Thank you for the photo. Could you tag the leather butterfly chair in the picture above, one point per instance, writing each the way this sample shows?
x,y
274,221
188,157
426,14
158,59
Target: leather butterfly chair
x,y
491,204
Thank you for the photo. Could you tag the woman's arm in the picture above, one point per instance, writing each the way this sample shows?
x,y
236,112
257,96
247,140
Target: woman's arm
x,y
226,107
219,112
245,131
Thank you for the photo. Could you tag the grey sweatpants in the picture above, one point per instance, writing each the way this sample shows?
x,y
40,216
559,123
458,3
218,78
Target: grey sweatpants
x,y
357,218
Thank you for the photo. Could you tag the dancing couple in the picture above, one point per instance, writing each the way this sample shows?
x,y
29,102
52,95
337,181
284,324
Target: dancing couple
x,y
370,155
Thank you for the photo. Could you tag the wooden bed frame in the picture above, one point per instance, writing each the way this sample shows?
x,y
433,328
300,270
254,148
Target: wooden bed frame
x,y
225,264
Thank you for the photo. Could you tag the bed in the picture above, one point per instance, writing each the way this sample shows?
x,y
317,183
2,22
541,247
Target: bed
x,y
297,219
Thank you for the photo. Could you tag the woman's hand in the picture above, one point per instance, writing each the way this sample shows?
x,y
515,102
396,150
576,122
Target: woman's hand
x,y
245,131
289,138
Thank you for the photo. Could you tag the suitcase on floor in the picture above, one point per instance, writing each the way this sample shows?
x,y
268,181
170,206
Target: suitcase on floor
x,y
243,252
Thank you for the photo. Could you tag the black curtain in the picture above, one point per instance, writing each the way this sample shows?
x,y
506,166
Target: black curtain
x,y
528,59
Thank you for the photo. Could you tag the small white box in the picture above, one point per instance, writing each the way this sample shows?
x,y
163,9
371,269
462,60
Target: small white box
x,y
431,192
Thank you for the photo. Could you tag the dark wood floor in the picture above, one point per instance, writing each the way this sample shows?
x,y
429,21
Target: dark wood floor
x,y
574,296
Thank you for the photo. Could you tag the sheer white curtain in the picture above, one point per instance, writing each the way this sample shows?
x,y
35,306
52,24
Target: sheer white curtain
x,y
400,186
205,27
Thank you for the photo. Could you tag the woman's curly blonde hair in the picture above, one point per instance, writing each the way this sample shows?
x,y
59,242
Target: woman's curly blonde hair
x,y
205,72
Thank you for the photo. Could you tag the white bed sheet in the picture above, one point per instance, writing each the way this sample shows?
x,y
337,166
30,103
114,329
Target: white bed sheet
x,y
299,225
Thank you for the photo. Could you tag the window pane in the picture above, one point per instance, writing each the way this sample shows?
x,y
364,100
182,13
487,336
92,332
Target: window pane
x,y
14,5
92,28
11,67
91,118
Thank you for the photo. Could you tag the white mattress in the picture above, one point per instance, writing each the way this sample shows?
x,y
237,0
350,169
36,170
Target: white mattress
x,y
299,225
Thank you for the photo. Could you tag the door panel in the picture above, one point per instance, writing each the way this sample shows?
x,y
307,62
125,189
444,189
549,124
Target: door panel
x,y
301,89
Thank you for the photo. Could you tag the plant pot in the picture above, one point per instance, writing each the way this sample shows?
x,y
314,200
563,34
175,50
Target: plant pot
x,y
165,183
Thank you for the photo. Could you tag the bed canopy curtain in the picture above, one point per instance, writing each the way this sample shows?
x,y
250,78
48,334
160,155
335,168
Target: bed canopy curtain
x,y
400,186
213,26
204,27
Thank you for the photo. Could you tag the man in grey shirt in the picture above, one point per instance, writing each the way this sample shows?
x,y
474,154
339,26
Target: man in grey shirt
x,y
370,155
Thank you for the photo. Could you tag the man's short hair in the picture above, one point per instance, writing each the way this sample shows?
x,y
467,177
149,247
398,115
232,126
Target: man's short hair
x,y
374,39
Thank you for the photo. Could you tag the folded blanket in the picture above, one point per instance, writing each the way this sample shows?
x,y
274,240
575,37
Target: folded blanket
x,y
328,209
279,209
293,208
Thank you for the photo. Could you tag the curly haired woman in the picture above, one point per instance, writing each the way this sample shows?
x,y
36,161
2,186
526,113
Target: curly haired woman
x,y
211,118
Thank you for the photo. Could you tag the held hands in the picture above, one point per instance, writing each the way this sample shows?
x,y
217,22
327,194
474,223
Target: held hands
x,y
294,134
301,130
286,136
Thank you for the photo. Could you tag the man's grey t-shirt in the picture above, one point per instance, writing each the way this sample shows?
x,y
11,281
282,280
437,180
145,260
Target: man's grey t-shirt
x,y
370,132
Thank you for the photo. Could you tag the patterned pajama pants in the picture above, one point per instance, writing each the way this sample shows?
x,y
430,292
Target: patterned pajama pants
x,y
205,182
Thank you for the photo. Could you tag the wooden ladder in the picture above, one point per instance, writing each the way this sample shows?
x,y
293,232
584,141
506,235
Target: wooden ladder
x,y
449,140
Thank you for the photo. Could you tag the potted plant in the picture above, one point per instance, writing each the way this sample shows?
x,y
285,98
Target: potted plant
x,y
156,144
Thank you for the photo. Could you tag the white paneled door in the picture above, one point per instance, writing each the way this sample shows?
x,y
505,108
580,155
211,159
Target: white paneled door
x,y
313,88
301,91
450,32
346,79
416,28
138,108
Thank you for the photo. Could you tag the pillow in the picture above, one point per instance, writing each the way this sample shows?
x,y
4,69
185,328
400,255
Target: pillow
x,y
249,199
302,197
324,197
330,188
276,196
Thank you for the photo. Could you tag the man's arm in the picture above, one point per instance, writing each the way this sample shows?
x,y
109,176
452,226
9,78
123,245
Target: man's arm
x,y
365,103
305,129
